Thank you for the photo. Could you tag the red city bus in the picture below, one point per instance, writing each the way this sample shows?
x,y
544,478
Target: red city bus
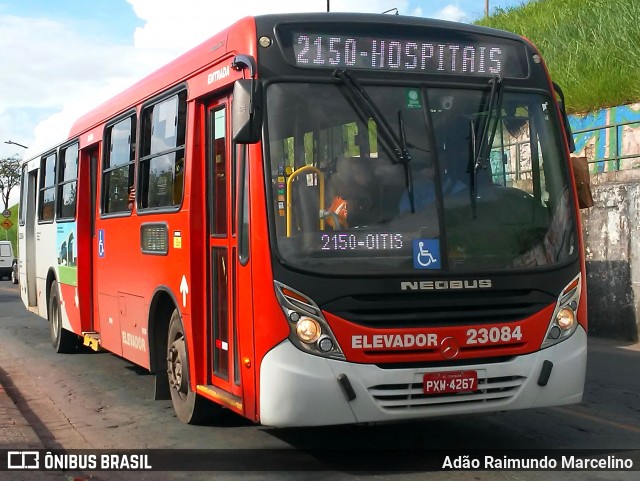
x,y
316,219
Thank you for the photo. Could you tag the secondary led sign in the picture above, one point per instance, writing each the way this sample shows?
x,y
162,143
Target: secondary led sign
x,y
361,241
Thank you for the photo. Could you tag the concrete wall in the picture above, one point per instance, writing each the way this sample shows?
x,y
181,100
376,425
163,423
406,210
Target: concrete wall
x,y
612,225
612,243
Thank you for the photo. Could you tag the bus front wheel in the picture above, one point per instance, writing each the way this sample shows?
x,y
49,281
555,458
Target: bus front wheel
x,y
190,407
63,341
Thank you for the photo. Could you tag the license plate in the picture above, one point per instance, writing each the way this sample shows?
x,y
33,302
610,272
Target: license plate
x,y
450,382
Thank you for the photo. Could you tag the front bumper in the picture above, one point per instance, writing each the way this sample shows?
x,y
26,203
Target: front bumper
x,y
298,389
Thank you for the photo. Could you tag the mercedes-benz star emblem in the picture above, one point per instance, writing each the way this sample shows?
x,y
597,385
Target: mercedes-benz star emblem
x,y
449,348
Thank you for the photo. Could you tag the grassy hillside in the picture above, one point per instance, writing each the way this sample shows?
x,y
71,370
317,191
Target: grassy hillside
x,y
592,47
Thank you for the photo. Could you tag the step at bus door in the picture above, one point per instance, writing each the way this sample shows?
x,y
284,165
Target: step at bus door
x,y
222,245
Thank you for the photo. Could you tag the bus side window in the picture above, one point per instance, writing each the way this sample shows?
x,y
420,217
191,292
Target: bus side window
x,y
178,184
67,182
118,171
47,188
162,152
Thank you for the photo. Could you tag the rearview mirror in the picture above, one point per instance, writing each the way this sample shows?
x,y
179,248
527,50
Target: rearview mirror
x,y
247,111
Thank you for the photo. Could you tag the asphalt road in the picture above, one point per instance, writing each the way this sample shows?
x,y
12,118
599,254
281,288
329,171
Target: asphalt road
x,y
97,400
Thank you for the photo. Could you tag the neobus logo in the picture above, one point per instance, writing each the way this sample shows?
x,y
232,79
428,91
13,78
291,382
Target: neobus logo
x,y
445,285
218,75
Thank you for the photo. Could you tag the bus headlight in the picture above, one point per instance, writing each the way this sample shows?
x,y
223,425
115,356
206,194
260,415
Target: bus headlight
x,y
565,318
309,330
564,321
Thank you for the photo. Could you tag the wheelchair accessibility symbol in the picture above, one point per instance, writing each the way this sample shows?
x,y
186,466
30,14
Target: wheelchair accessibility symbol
x,y
426,254
101,243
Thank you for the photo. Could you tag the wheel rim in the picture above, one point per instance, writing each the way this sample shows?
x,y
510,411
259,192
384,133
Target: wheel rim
x,y
176,366
55,321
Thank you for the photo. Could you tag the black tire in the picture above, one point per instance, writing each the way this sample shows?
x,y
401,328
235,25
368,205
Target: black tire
x,y
63,341
14,279
190,407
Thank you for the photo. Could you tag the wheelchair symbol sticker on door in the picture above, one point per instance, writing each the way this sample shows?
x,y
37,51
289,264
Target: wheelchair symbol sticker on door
x,y
100,242
426,254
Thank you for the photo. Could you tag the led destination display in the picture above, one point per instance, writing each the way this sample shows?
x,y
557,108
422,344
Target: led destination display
x,y
484,56
361,241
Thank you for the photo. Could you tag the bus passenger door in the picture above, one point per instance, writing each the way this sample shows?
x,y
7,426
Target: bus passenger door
x,y
87,177
222,244
30,235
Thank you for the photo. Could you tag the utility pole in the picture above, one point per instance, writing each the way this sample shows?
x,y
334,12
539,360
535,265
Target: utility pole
x,y
486,7
328,9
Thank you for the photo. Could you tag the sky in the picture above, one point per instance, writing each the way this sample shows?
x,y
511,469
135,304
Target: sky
x,y
60,58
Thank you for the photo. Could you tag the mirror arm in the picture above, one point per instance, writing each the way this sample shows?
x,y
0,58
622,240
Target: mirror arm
x,y
247,118
241,62
244,61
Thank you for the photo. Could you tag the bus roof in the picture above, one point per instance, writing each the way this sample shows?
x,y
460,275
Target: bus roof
x,y
373,18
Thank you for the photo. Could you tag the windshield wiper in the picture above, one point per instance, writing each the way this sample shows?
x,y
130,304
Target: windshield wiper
x,y
363,100
394,145
408,177
487,135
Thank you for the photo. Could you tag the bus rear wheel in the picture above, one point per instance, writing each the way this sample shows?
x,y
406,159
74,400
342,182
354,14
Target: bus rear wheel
x,y
190,407
63,341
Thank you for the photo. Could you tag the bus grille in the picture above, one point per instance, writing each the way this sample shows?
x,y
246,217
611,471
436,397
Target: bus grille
x,y
439,309
411,396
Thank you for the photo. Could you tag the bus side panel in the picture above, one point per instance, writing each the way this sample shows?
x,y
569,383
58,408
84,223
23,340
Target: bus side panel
x,y
245,305
270,325
135,339
246,331
110,337
68,298
126,278
46,266
67,255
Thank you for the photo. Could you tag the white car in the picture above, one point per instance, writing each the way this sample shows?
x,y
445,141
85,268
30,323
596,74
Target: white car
x,y
6,259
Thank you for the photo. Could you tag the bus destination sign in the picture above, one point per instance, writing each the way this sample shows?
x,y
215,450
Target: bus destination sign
x,y
476,56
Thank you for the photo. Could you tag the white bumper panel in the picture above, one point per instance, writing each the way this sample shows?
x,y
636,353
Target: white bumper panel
x,y
298,389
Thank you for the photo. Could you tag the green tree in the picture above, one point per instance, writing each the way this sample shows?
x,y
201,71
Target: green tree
x,y
9,177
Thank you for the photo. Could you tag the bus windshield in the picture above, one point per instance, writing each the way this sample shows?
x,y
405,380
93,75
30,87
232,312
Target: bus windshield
x,y
398,180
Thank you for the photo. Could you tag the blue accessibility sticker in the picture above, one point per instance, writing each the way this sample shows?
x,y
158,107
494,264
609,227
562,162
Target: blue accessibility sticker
x,y
426,254
100,242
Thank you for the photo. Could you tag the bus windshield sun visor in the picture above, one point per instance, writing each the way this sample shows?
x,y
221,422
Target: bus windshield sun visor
x,y
395,146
